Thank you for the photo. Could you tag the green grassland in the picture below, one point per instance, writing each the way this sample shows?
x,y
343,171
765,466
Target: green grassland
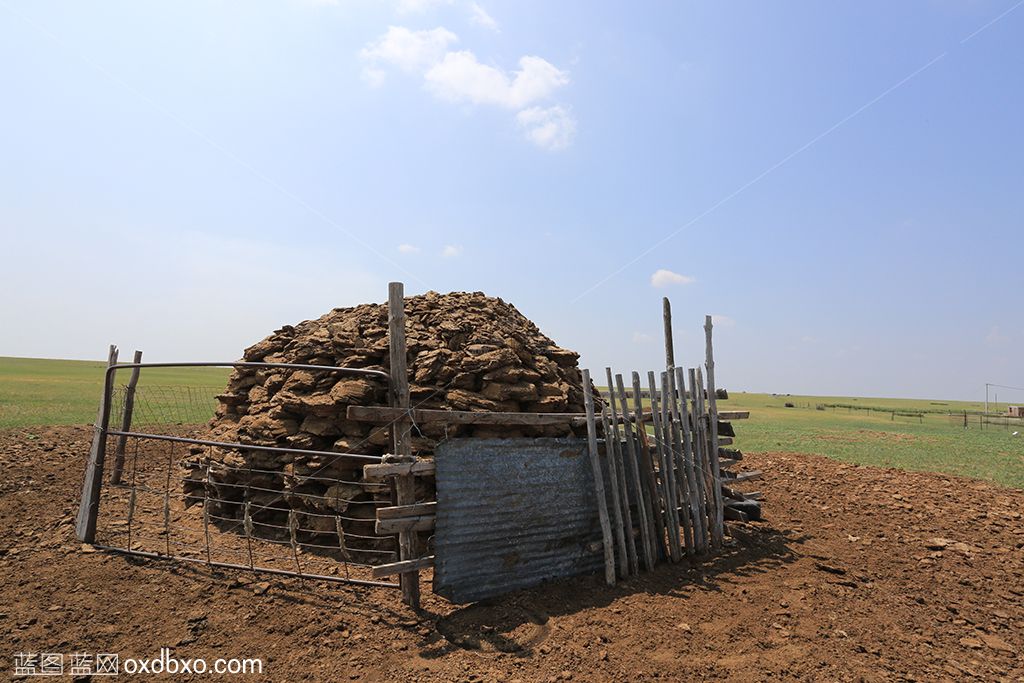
x,y
904,433
931,441
37,391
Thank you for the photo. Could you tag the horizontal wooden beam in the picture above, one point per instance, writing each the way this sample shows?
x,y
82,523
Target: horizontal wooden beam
x,y
733,414
385,415
420,467
743,476
382,570
734,514
394,526
396,511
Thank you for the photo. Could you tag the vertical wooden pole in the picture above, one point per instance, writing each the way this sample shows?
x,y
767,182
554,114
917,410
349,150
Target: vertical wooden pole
x,y
634,469
620,464
718,528
613,480
684,444
405,485
647,472
126,421
691,445
700,442
666,312
88,509
602,499
674,441
666,467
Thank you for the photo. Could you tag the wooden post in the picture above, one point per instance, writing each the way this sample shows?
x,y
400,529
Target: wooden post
x,y
718,528
690,449
602,500
700,452
666,465
88,509
684,447
634,469
404,485
620,464
670,354
613,480
647,471
126,421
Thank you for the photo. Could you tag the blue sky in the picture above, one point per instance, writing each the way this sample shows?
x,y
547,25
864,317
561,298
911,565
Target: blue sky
x,y
839,183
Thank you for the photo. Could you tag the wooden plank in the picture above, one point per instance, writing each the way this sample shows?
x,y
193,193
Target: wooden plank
x,y
386,415
718,528
88,509
627,514
602,499
613,481
407,525
725,441
733,414
633,469
391,469
126,421
699,461
404,485
743,476
382,570
396,511
736,515
673,436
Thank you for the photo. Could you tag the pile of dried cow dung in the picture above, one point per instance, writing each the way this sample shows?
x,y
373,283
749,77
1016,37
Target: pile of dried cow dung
x,y
466,351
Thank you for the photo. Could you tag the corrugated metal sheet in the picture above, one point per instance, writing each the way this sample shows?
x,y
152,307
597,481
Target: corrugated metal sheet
x,y
512,513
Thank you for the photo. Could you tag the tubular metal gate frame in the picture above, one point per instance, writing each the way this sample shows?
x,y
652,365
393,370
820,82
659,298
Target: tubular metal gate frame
x,y
88,512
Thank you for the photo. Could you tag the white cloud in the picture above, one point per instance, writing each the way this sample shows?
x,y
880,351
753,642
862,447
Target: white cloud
x,y
479,16
642,338
460,77
665,278
410,51
408,248
722,321
451,251
552,128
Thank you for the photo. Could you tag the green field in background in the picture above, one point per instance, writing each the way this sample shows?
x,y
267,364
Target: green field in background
x,y
933,442
42,392
37,391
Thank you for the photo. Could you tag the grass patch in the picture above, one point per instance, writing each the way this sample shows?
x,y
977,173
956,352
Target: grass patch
x,y
37,391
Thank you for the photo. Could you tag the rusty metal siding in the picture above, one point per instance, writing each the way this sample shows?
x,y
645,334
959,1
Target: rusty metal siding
x,y
512,513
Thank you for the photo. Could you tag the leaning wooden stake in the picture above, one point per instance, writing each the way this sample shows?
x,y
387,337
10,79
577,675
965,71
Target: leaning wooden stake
x,y
602,500
718,529
700,461
646,533
405,485
620,464
654,498
126,421
687,427
88,509
670,353
666,467
613,480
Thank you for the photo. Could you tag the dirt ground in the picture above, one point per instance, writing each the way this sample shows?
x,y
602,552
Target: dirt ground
x,y
857,573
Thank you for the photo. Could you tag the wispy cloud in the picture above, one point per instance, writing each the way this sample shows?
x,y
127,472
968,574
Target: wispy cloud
x,y
642,338
667,278
459,76
552,128
722,321
420,6
407,50
408,248
479,16
451,251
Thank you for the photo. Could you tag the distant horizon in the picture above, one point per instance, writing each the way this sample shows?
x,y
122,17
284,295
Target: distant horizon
x,y
102,362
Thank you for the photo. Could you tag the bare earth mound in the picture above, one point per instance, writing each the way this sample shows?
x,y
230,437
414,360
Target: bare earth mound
x,y
904,576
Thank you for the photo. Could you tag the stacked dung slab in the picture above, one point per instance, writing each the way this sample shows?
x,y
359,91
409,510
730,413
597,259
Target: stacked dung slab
x,y
465,351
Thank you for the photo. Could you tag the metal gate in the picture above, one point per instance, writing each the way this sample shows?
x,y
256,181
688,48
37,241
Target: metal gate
x,y
160,491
